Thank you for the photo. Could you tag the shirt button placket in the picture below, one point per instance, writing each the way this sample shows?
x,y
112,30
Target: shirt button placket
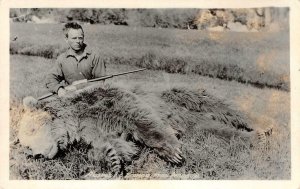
x,y
77,62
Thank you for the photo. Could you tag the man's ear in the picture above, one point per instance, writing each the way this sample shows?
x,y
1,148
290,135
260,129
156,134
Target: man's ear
x,y
66,39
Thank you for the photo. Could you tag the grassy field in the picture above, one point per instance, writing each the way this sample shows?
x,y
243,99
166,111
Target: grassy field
x,y
260,59
215,159
207,156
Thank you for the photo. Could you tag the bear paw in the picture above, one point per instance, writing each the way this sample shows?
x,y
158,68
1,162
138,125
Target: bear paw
x,y
171,155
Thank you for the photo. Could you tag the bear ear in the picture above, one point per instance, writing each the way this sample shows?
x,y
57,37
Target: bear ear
x,y
30,103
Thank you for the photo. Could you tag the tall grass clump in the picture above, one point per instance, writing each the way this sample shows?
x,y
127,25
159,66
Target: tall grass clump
x,y
46,51
204,67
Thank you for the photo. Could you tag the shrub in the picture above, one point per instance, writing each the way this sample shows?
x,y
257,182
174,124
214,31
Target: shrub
x,y
46,51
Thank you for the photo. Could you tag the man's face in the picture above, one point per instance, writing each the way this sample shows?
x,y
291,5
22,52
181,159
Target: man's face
x,y
75,39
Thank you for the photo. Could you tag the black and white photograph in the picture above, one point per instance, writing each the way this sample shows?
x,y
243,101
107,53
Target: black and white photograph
x,y
149,93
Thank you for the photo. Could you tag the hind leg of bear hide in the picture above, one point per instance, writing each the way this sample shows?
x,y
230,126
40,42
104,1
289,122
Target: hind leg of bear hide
x,y
256,138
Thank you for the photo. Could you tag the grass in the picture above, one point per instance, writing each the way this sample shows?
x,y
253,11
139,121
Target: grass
x,y
207,156
260,59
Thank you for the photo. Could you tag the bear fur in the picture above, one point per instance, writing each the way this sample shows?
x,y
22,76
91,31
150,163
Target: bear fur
x,y
114,119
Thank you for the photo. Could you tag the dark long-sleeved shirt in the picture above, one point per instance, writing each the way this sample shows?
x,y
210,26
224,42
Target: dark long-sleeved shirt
x,y
68,69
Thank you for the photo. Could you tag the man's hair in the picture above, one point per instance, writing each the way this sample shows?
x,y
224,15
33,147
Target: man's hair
x,y
71,25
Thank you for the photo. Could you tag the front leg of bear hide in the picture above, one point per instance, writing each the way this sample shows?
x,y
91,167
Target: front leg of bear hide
x,y
148,126
160,137
115,151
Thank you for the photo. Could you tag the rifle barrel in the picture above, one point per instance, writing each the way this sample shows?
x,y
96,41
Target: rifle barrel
x,y
113,75
100,78
45,96
129,72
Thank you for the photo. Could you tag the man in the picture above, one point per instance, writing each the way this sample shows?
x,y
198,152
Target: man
x,y
77,63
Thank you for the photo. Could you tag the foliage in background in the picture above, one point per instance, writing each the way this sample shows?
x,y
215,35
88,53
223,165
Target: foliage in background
x,y
159,18
164,18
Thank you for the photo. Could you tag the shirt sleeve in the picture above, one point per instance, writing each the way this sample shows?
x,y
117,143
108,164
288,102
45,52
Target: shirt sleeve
x,y
99,67
55,78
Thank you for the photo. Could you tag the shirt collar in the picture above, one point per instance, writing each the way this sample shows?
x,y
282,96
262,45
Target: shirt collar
x,y
86,52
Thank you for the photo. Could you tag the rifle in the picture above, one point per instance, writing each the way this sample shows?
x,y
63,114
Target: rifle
x,y
92,80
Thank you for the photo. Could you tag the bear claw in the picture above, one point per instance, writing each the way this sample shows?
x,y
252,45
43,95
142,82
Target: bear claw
x,y
178,156
176,159
178,150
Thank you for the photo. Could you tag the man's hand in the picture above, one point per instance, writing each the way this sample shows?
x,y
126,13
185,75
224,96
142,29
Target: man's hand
x,y
64,91
61,92
70,88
